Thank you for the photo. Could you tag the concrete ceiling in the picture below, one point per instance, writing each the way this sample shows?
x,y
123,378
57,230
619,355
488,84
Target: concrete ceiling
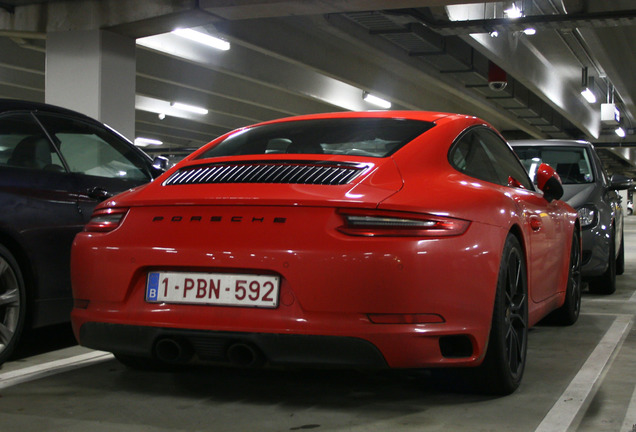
x,y
307,56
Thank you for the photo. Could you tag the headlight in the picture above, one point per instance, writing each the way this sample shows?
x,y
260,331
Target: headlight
x,y
588,215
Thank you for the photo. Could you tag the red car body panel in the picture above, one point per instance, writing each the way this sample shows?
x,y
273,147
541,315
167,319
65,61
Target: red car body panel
x,y
332,283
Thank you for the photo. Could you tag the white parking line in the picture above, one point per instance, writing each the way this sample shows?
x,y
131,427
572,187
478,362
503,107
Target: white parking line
x,y
629,424
9,379
568,411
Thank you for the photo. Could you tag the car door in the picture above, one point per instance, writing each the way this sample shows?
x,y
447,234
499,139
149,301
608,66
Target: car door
x,y
39,213
101,162
544,222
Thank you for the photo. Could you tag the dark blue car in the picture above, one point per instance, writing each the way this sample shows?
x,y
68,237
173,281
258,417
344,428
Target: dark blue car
x,y
55,166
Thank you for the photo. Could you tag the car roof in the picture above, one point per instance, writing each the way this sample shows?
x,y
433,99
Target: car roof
x,y
21,105
430,116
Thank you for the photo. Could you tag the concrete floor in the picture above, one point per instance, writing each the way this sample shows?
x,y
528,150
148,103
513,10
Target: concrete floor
x,y
579,378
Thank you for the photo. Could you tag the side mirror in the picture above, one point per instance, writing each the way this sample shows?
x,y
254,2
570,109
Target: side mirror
x,y
549,182
161,163
620,182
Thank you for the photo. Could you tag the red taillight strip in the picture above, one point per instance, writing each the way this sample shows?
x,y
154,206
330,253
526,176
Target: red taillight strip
x,y
370,223
105,220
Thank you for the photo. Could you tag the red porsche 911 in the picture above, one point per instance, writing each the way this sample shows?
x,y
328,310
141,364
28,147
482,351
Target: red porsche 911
x,y
375,239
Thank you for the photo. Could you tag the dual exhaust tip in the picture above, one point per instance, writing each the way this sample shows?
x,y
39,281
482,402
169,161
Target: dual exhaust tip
x,y
177,350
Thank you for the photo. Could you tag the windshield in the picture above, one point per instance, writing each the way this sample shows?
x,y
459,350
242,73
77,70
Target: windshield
x,y
372,137
571,163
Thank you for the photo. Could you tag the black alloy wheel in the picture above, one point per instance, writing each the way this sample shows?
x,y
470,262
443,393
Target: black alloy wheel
x,y
568,314
12,303
505,360
606,283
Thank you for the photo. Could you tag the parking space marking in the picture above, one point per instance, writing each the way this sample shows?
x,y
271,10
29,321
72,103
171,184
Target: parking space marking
x,y
569,409
629,424
31,373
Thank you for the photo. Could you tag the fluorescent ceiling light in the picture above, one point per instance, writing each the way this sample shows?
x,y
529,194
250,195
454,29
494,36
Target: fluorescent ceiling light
x,y
588,95
143,142
189,108
376,100
620,132
513,12
530,31
203,38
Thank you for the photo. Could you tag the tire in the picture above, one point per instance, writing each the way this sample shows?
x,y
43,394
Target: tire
x,y
620,260
505,360
12,303
606,283
568,314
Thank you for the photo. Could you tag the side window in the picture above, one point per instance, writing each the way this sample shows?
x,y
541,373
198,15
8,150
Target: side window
x,y
93,150
593,158
469,156
23,144
505,162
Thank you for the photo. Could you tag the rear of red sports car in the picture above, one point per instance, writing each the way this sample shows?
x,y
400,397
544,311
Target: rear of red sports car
x,y
374,252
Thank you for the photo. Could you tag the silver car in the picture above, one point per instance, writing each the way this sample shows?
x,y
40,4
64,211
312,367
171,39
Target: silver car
x,y
588,189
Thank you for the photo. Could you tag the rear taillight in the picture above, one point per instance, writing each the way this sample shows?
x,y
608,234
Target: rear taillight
x,y
370,223
105,220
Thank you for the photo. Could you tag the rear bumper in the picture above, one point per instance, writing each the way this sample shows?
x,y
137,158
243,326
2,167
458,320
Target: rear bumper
x,y
215,346
331,285
390,346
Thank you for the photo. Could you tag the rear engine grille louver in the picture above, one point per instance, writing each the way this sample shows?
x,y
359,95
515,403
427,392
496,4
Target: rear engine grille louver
x,y
291,172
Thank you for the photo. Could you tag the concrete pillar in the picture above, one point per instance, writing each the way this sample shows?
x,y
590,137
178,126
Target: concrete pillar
x,y
93,72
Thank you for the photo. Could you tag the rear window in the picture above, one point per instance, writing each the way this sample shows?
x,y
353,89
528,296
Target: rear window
x,y
571,163
372,137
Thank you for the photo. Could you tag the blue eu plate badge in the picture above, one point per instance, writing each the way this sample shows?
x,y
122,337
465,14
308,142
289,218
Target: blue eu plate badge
x,y
152,290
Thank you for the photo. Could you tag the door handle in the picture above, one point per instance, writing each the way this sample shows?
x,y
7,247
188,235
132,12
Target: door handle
x,y
98,193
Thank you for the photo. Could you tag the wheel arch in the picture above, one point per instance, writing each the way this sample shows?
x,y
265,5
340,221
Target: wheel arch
x,y
516,230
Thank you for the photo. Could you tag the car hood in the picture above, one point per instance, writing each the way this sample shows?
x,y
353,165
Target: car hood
x,y
375,181
578,194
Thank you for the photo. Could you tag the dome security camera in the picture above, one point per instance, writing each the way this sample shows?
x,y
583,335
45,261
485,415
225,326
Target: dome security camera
x,y
497,77
497,85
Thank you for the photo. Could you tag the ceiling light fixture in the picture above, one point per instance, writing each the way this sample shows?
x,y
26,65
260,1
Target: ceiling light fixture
x,y
143,142
189,108
382,103
530,31
620,132
513,12
203,38
588,95
588,87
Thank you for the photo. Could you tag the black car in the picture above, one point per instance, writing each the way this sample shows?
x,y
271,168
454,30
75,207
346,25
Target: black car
x,y
587,188
55,166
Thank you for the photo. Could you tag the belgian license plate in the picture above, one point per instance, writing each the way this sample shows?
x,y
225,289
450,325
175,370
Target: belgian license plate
x,y
213,289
